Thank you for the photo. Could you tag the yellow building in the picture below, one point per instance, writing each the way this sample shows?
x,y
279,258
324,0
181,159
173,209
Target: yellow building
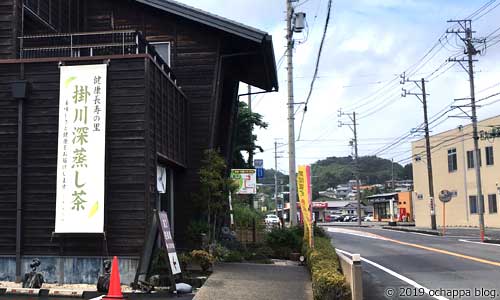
x,y
453,170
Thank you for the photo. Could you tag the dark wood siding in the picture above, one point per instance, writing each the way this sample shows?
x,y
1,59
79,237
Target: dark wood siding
x,y
9,27
8,161
196,63
49,16
125,174
195,56
166,126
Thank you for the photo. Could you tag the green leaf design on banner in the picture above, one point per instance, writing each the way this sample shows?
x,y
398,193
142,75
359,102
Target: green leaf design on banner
x,y
69,80
94,209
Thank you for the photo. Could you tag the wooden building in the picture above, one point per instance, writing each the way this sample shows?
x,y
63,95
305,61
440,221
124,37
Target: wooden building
x,y
173,77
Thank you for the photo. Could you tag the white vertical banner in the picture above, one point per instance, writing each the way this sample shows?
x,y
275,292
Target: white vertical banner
x,y
81,149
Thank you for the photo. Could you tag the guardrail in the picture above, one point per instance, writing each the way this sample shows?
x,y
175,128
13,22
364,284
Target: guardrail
x,y
351,268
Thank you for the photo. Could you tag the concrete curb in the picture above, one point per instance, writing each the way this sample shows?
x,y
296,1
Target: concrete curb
x,y
407,229
346,225
22,291
41,292
492,241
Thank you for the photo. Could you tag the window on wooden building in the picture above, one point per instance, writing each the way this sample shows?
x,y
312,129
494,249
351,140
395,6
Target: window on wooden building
x,y
163,50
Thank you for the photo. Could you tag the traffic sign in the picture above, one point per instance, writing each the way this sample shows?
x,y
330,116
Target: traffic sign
x,y
258,163
260,173
445,196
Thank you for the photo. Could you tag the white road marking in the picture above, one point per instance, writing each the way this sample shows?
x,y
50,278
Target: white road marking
x,y
397,275
480,243
356,233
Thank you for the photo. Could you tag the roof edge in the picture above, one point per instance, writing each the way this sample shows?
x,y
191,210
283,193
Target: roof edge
x,y
207,18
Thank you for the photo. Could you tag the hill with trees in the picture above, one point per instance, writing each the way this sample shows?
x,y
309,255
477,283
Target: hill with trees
x,y
333,171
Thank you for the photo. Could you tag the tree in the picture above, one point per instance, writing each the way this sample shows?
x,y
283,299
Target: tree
x,y
408,171
215,189
245,139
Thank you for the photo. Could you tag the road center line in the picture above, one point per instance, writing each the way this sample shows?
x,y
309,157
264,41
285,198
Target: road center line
x,y
468,257
397,275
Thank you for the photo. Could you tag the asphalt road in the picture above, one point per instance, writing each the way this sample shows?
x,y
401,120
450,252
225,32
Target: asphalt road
x,y
416,266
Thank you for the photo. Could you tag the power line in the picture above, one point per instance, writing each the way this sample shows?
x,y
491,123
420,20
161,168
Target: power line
x,y
480,9
488,11
320,50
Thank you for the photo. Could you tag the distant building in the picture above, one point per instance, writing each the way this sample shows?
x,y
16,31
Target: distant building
x,y
400,185
400,202
329,193
352,209
453,170
343,190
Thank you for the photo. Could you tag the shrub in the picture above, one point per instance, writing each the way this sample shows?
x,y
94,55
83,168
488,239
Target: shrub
x,y
327,279
284,241
219,252
184,260
258,253
194,231
203,258
318,231
233,256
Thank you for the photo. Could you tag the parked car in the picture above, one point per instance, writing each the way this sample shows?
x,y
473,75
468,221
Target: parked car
x,y
346,218
350,218
272,220
335,218
368,218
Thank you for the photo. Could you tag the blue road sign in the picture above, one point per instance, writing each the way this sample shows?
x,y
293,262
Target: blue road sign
x,y
260,172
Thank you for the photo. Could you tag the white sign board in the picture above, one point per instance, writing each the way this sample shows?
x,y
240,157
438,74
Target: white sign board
x,y
81,149
169,243
246,179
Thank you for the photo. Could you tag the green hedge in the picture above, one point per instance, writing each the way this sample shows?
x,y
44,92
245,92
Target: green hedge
x,y
328,283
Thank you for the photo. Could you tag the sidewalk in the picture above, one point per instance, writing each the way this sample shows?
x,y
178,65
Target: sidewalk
x,y
239,281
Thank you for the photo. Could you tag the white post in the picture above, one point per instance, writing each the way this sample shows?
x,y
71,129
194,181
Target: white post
x,y
391,207
231,209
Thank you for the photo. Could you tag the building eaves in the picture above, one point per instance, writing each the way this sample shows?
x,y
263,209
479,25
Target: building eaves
x,y
207,18
381,195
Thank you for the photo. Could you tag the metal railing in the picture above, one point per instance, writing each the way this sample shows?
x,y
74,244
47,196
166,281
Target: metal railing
x,y
88,44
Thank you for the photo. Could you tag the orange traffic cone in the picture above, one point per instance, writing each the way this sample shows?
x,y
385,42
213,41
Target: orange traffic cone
x,y
115,289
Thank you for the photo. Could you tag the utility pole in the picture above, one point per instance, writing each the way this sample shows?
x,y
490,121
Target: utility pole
x,y
276,175
422,96
250,153
466,28
353,126
392,174
291,117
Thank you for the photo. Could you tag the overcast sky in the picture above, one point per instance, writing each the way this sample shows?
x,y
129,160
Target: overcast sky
x,y
368,44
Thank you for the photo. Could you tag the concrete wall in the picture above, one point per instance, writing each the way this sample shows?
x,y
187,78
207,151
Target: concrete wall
x,y
462,181
74,269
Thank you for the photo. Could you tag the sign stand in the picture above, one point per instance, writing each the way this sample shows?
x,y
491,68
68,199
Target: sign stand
x,y
445,196
159,227
444,218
